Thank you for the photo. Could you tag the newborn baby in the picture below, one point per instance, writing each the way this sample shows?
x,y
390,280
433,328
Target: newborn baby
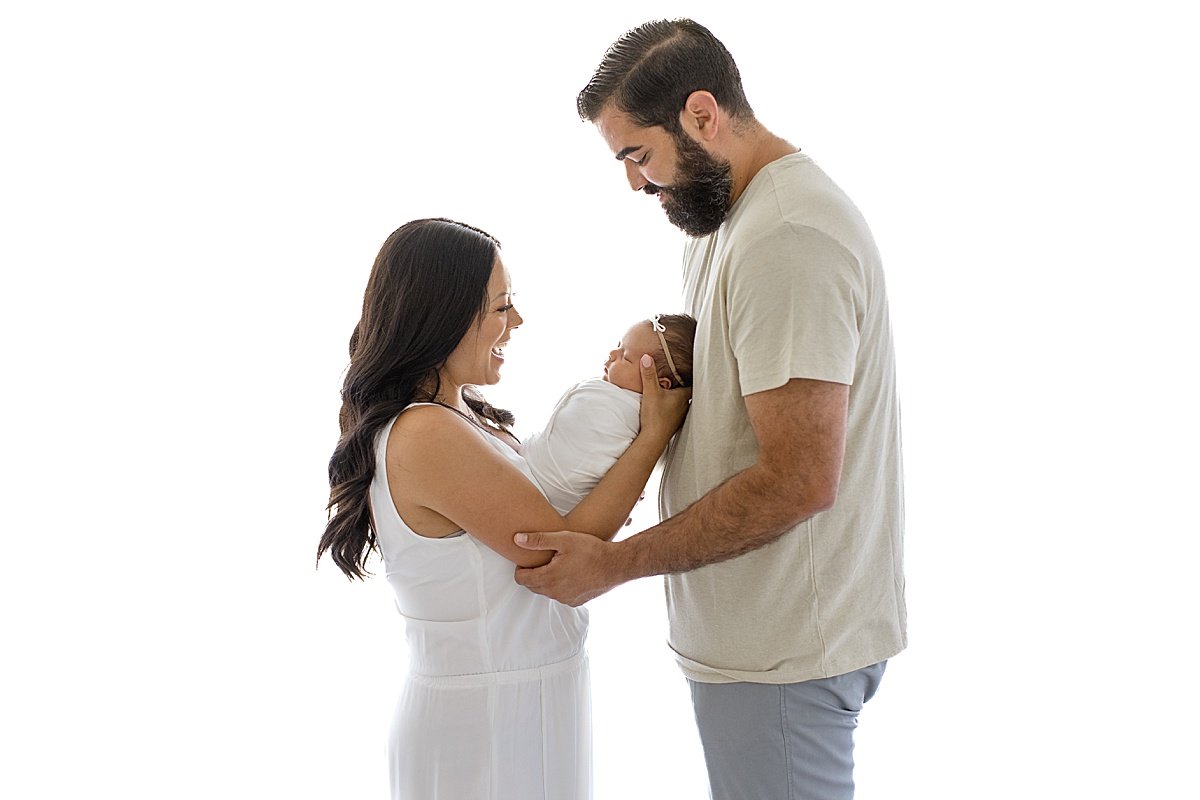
x,y
596,419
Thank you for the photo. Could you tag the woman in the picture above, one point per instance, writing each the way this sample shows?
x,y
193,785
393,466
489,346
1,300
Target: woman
x,y
496,704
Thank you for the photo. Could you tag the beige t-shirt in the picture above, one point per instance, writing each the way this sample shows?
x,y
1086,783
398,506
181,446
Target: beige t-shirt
x,y
790,286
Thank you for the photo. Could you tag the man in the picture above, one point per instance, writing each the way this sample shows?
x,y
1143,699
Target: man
x,y
782,495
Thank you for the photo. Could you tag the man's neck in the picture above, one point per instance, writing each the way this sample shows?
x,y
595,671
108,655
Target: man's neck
x,y
754,151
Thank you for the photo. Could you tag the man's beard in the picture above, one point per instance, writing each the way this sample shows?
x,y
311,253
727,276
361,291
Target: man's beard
x,y
698,200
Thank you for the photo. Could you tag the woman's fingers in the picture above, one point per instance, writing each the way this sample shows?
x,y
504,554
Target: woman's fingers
x,y
661,406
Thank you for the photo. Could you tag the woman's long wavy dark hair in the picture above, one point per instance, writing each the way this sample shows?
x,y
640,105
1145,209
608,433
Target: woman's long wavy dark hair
x,y
428,287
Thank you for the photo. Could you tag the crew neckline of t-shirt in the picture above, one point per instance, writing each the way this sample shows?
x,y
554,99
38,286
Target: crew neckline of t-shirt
x,y
759,178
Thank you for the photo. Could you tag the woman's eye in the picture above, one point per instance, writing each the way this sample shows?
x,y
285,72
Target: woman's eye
x,y
503,309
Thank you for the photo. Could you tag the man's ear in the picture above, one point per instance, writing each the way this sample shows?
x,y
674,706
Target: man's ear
x,y
664,382
701,116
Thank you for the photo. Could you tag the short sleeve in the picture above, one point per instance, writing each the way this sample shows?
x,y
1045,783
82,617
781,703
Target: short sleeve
x,y
794,300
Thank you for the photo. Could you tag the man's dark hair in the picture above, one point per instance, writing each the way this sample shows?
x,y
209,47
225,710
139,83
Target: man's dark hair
x,y
650,71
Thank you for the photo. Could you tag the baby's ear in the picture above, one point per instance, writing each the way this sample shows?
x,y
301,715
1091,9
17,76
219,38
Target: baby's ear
x,y
664,383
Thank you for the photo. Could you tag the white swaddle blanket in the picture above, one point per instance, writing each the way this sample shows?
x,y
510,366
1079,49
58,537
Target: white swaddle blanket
x,y
589,429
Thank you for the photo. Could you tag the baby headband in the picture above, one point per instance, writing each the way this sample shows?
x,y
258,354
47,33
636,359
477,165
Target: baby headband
x,y
660,329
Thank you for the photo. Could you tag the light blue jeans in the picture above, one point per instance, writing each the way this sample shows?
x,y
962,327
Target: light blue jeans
x,y
791,741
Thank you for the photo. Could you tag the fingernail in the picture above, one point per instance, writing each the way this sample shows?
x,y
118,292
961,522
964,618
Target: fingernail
x,y
647,361
520,538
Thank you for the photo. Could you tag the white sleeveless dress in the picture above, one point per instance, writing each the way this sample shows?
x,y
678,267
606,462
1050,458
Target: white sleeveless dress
x,y
497,702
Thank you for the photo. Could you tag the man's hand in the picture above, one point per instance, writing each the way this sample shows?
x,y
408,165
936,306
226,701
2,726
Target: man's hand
x,y
581,569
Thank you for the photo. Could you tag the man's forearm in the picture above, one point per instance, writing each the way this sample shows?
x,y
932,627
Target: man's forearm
x,y
749,510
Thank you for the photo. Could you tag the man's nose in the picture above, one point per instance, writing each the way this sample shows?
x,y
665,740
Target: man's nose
x,y
633,174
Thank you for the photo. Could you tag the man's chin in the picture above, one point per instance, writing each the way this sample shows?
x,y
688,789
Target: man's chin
x,y
691,228
692,223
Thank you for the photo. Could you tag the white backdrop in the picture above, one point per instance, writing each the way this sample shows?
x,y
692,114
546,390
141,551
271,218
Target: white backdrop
x,y
192,195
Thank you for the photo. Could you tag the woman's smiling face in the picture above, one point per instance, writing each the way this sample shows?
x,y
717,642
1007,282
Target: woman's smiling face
x,y
478,358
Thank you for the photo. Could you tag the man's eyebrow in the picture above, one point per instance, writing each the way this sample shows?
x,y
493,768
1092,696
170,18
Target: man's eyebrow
x,y
626,151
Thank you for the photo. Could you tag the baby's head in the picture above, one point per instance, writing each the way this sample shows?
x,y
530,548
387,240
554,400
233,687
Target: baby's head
x,y
668,339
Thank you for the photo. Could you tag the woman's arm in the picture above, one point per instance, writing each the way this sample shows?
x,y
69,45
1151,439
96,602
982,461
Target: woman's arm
x,y
444,476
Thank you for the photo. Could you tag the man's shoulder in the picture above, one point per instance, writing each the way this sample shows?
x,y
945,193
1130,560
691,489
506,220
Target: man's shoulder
x,y
799,215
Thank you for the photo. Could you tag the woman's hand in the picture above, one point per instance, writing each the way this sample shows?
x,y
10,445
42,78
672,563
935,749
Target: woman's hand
x,y
663,410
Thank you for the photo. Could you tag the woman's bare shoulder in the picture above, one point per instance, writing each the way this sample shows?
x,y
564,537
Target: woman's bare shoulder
x,y
421,427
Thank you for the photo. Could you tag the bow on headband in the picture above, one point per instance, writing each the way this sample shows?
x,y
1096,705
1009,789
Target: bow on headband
x,y
660,329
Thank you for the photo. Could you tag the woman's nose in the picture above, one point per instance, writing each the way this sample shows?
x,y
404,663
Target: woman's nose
x,y
514,317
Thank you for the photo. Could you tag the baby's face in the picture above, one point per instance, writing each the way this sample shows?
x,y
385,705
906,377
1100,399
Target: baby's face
x,y
623,366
